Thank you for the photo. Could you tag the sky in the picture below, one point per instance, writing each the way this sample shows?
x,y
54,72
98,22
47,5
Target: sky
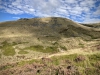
x,y
82,11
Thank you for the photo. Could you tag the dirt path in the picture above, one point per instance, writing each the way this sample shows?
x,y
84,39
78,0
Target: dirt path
x,y
74,51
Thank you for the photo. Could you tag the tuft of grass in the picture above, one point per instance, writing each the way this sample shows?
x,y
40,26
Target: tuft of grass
x,y
22,52
81,45
14,43
5,43
4,67
91,71
51,50
63,47
55,43
94,57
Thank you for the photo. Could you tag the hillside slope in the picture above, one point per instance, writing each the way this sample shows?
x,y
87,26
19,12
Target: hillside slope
x,y
47,27
39,37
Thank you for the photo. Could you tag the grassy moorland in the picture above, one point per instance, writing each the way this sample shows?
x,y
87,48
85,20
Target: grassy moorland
x,y
49,46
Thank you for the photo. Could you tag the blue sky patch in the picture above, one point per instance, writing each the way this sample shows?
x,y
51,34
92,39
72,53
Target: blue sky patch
x,y
82,11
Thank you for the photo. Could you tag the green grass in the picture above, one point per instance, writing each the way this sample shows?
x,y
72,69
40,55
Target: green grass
x,y
5,67
91,71
22,52
39,48
7,49
51,50
28,62
14,43
0,55
94,57
81,45
34,48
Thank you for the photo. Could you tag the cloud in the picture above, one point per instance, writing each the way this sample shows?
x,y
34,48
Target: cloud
x,y
91,20
16,17
97,12
72,9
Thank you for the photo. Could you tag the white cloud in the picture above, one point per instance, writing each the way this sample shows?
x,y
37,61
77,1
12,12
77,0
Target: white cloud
x,y
91,20
14,11
97,12
16,17
70,1
59,8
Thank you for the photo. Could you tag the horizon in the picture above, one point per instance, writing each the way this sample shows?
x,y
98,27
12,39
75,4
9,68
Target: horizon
x,y
48,17
79,11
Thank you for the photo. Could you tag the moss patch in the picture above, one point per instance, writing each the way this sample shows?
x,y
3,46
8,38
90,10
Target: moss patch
x,y
51,50
39,48
7,49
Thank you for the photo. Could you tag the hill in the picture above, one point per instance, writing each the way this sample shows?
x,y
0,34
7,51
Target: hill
x,y
94,25
54,44
47,27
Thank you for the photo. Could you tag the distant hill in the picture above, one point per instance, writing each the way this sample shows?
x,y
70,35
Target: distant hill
x,y
94,25
49,27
